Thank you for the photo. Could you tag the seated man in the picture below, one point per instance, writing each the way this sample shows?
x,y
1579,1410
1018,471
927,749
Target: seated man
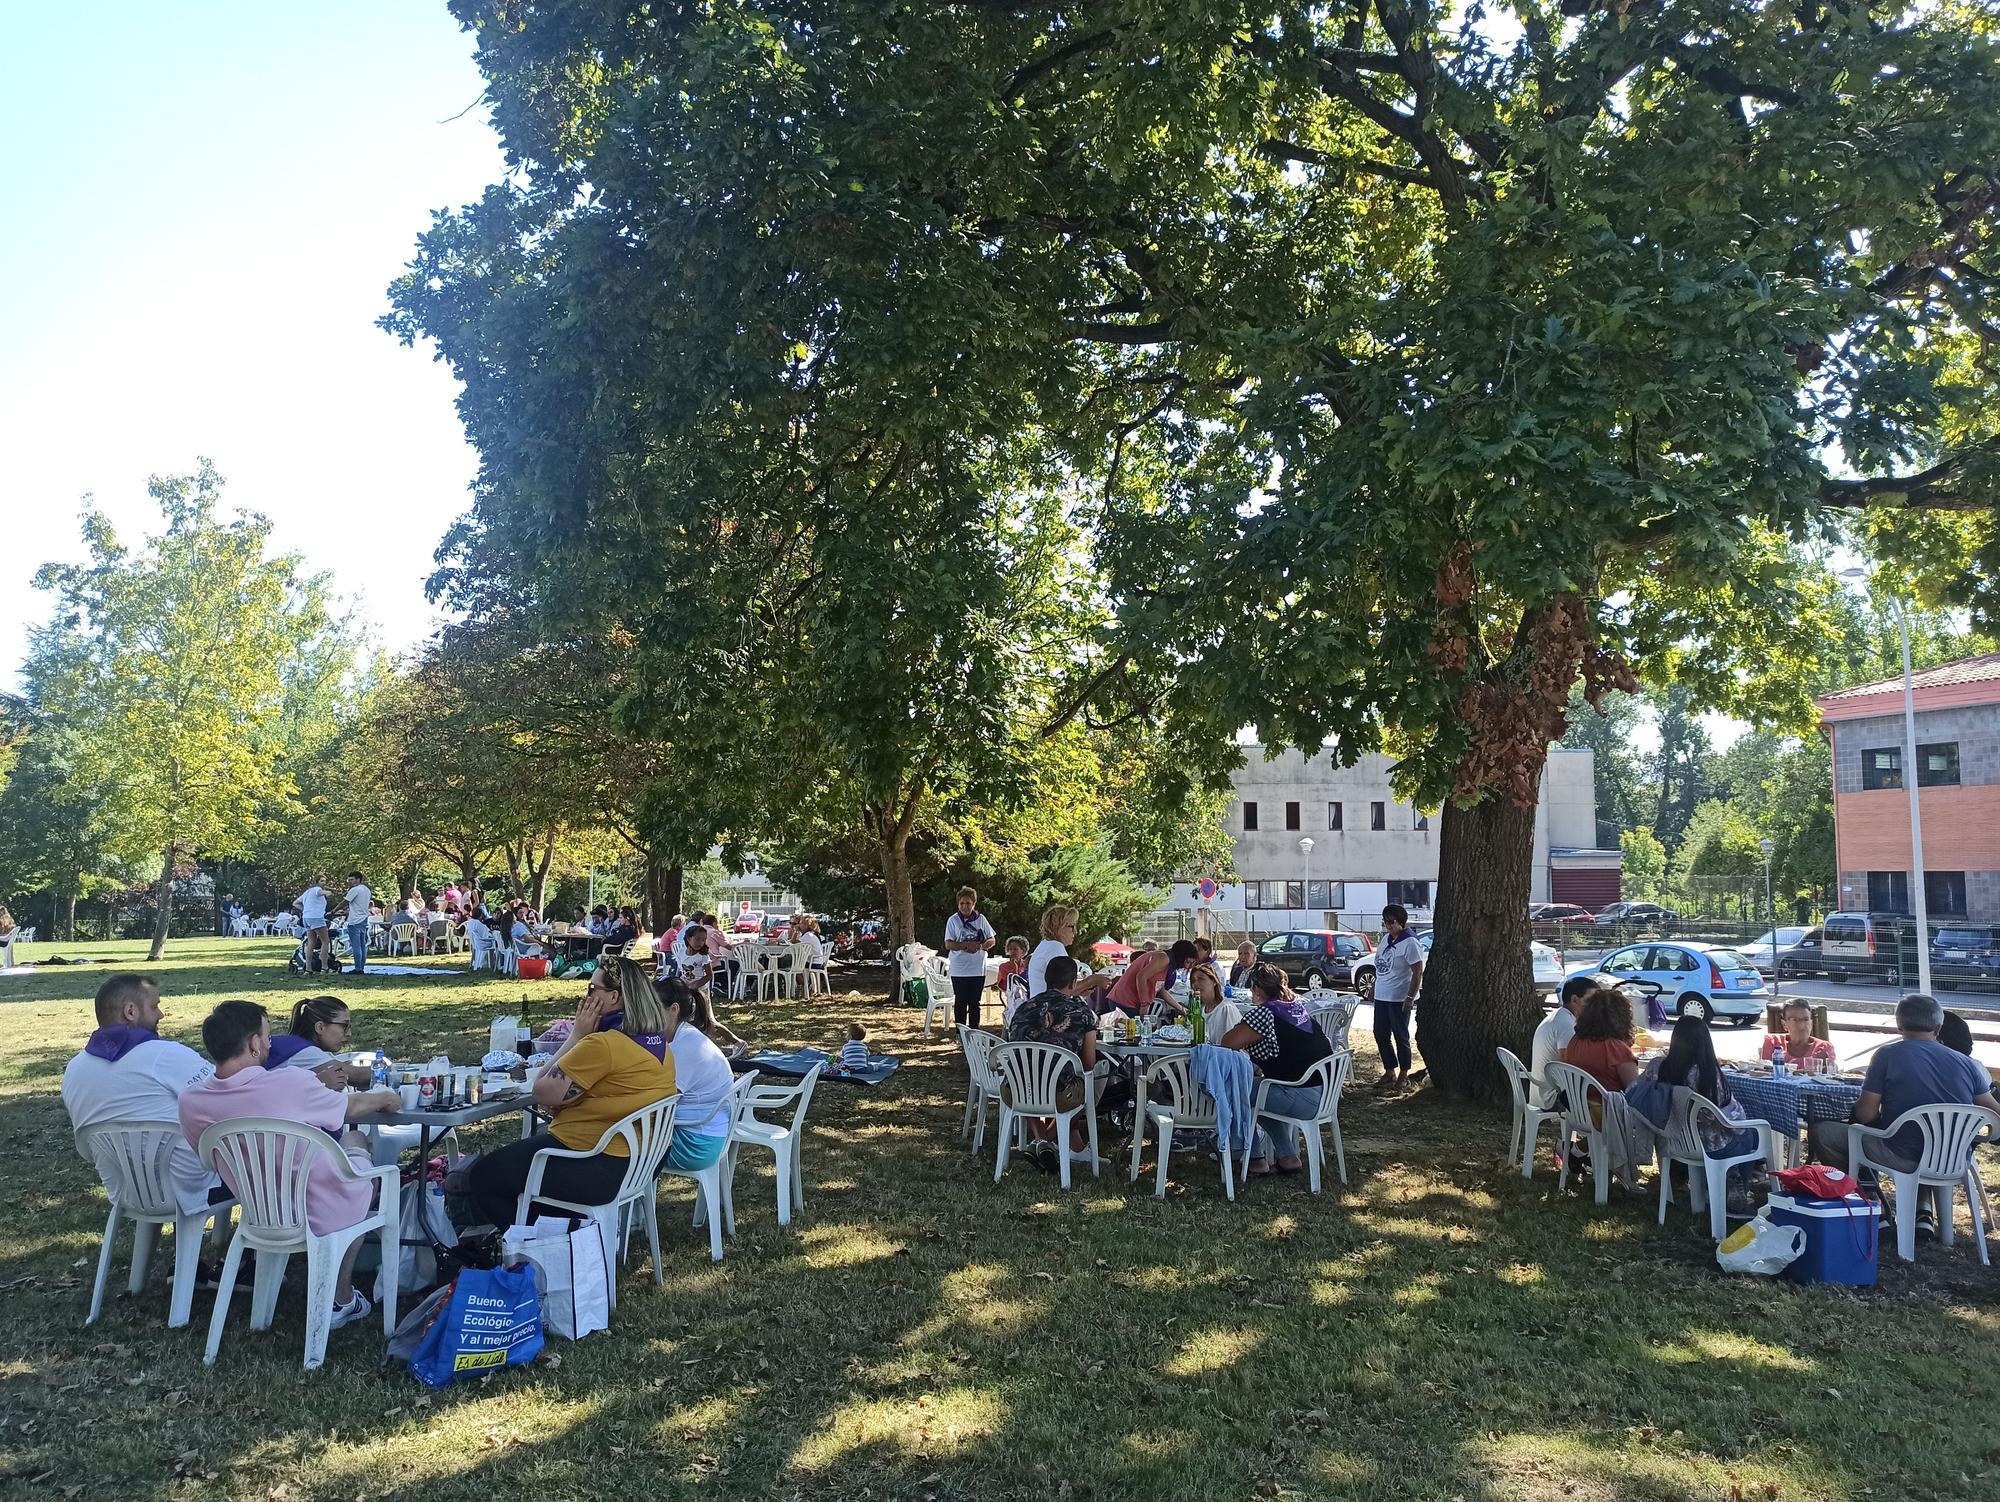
x,y
1918,1071
128,1072
237,1035
1559,1027
1068,1022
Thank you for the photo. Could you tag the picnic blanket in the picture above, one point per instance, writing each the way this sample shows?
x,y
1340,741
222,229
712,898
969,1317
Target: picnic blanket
x,y
375,969
801,1060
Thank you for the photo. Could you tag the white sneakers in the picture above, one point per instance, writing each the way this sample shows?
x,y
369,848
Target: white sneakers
x,y
353,1311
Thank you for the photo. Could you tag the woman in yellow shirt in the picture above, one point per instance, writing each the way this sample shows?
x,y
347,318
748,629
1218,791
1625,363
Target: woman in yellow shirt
x,y
601,1075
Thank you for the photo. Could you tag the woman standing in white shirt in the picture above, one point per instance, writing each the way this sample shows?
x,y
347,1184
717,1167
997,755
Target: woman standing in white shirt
x,y
967,937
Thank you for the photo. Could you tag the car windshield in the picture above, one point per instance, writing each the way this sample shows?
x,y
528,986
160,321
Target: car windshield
x,y
1961,938
1729,959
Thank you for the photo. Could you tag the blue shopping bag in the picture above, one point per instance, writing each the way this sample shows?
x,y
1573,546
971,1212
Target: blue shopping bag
x,y
492,1319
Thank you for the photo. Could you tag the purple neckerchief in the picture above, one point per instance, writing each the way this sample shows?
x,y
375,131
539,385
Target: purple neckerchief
x,y
1290,1012
654,1043
284,1046
114,1042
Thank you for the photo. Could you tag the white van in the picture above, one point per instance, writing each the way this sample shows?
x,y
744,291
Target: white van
x,y
1854,946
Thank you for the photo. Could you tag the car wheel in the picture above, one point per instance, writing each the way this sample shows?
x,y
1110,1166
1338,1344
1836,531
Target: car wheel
x,y
1364,977
1315,979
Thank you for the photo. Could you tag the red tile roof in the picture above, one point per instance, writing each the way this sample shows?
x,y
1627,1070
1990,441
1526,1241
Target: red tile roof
x,y
1946,675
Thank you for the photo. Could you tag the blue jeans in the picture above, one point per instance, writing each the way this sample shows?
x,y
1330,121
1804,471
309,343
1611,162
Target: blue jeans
x,y
1392,1035
1282,1139
357,942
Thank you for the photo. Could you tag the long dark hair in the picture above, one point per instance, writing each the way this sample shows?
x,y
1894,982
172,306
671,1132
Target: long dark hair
x,y
1690,1061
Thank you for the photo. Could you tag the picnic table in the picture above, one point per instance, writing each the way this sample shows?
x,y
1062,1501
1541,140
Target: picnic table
x,y
1792,1101
432,1124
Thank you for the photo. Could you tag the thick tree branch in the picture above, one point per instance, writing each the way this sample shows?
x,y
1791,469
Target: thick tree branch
x,y
1933,489
1040,66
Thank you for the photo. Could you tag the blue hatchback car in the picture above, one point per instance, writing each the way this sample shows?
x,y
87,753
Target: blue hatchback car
x,y
1722,978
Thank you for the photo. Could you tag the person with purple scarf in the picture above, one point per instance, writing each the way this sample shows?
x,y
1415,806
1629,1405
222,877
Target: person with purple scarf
x,y
128,1072
1283,1042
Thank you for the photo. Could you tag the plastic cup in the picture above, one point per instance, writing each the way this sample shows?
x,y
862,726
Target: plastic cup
x,y
409,1094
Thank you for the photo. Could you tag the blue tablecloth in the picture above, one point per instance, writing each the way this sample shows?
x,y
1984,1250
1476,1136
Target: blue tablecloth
x,y
1796,1099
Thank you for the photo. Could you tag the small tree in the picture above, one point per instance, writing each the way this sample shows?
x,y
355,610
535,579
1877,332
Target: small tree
x,y
1645,865
169,667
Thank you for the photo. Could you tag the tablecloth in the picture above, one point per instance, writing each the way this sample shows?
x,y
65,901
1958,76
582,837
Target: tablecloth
x,y
1790,1102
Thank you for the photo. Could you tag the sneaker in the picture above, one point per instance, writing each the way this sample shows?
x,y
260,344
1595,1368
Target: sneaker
x,y
1043,1156
353,1311
1927,1225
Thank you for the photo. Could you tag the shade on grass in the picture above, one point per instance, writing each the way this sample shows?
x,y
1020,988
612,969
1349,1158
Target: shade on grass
x,y
1441,1330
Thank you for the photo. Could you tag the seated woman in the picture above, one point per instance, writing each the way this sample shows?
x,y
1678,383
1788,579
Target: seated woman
x,y
1145,980
622,931
701,1124
1218,1015
1690,1062
1283,1044
597,1078
1602,1049
524,936
321,1027
1797,1039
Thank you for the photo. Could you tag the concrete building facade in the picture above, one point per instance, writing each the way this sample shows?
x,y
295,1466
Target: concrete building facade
x,y
1369,848
1958,787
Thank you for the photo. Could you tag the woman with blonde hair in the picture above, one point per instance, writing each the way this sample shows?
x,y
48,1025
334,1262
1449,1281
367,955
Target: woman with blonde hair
x,y
1058,934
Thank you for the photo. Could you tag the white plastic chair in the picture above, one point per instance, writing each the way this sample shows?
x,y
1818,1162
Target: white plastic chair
x,y
1708,1177
1528,1117
1578,1090
715,1201
1330,1074
268,1162
647,1134
784,1139
7,948
402,939
808,976
1029,1074
937,978
1184,1106
982,1083
765,975
135,1161
1950,1133
444,938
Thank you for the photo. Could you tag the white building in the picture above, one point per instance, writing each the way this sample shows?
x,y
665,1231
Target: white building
x,y
1368,849
752,890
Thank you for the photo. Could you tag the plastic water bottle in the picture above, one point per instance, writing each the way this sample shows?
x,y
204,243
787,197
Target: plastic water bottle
x,y
1778,1061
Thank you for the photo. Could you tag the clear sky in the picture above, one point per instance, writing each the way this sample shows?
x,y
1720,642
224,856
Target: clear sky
x,y
204,205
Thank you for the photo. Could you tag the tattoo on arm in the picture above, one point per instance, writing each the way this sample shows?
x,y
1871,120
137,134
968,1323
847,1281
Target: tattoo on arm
x,y
571,1089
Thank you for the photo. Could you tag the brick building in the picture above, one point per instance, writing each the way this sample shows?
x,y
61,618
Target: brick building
x,y
1958,785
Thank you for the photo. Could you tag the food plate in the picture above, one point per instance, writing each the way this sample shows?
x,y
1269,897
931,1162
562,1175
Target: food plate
x,y
1172,1033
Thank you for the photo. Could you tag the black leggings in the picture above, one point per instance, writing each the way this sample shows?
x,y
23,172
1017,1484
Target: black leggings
x,y
498,1178
966,991
1392,1035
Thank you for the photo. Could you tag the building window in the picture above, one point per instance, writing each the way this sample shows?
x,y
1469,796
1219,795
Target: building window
x,y
1378,816
1410,893
1333,816
1291,816
1944,891
1882,767
1249,816
1419,820
1888,891
1937,766
1325,896
1253,896
1295,894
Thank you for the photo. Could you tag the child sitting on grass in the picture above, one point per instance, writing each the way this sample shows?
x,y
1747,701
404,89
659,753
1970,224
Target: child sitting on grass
x,y
854,1052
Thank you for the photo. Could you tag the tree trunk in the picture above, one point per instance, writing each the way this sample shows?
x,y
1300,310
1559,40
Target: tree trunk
x,y
899,900
666,886
69,917
406,880
468,869
163,919
538,888
1479,984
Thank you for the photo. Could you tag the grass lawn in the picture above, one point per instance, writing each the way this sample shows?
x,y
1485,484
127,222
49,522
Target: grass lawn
x,y
1441,1330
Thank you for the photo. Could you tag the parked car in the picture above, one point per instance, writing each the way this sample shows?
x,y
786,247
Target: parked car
x,y
1965,957
1859,945
1763,950
1548,965
1319,956
1626,917
1723,979
1801,958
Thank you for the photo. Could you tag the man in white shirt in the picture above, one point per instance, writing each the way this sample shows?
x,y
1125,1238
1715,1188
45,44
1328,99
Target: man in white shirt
x,y
1559,1027
359,902
967,937
128,1072
312,917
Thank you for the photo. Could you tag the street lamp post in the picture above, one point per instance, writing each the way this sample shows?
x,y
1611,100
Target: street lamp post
x,y
1306,859
1764,848
1919,902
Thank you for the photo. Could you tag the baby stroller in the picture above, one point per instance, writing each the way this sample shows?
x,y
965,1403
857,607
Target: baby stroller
x,y
336,954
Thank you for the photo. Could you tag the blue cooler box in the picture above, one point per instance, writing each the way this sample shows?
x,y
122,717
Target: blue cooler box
x,y
1843,1237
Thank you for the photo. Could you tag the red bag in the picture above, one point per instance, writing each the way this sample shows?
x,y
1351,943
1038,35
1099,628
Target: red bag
x,y
1816,1181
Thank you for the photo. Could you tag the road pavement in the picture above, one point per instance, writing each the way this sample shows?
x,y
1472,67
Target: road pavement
x,y
1851,995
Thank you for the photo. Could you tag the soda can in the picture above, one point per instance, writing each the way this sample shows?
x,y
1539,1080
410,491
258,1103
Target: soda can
x,y
427,1092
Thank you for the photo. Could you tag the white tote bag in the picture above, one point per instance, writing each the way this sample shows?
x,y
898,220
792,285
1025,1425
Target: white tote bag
x,y
572,1272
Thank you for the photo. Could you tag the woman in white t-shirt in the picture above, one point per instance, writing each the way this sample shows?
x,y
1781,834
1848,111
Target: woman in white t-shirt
x,y
701,1120
967,938
322,1028
1058,933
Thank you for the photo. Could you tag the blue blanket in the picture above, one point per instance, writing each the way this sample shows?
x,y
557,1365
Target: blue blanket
x,y
800,1062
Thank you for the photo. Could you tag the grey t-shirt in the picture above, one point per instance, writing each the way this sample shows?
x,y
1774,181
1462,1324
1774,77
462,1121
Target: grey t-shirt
x,y
1921,1072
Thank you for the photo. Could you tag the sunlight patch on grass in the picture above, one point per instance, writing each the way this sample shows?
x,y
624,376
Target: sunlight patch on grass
x,y
1444,1232
1280,1226
1162,1443
931,1427
509,1413
1603,1228
968,1299
1540,1467
1522,1274
1328,1293
1703,1346
1424,1288
1211,1350
1343,1470
846,1246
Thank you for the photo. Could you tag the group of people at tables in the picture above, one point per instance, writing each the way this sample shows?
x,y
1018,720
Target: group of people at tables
x,y
1049,998
633,1042
1931,1062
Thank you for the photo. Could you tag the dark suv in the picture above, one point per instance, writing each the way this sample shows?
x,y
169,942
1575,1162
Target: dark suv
x,y
1316,956
1965,957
